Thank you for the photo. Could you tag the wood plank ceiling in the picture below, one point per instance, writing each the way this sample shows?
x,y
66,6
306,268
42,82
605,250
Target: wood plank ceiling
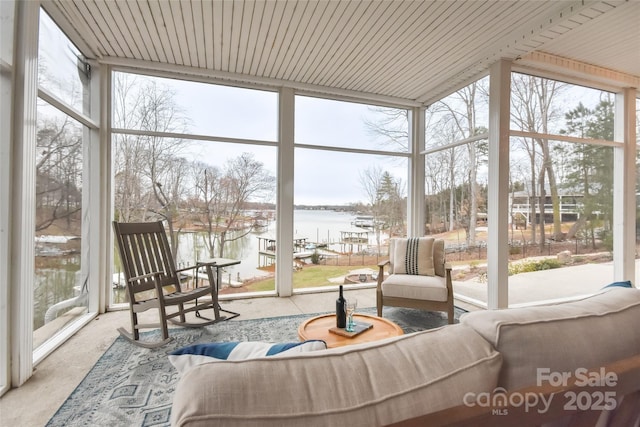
x,y
414,51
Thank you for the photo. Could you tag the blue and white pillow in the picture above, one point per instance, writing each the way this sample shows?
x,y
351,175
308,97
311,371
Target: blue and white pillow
x,y
187,357
622,284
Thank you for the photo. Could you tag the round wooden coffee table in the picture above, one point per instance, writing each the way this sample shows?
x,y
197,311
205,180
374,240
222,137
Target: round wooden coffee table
x,y
317,328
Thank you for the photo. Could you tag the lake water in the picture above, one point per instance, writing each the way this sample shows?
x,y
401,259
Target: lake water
x,y
317,226
59,281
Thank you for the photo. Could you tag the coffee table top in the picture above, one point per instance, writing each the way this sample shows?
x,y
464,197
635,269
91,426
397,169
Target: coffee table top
x,y
317,328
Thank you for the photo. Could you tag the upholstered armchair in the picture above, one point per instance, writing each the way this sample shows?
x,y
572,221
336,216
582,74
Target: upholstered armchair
x,y
417,276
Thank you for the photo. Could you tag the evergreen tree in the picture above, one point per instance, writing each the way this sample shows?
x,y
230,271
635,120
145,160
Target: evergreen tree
x,y
590,166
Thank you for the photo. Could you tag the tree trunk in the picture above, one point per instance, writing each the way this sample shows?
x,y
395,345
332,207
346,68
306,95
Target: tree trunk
x,y
541,200
533,199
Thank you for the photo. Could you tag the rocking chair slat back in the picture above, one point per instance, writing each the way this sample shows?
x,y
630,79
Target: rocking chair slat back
x,y
144,249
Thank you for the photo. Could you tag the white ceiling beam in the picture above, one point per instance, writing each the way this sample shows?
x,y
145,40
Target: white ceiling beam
x,y
565,67
174,71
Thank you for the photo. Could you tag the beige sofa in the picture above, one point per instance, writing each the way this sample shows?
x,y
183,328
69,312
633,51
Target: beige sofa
x,y
406,377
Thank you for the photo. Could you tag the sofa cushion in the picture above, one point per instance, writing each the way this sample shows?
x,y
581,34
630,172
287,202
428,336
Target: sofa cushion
x,y
368,385
414,256
187,357
588,333
430,288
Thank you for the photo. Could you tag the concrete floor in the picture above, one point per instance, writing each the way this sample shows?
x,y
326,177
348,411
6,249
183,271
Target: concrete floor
x,y
55,378
34,403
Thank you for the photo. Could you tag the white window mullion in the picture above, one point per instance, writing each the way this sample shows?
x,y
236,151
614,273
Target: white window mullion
x,y
498,209
624,187
106,201
284,208
415,194
94,256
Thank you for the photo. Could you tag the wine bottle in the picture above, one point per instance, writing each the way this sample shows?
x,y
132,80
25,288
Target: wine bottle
x,y
341,315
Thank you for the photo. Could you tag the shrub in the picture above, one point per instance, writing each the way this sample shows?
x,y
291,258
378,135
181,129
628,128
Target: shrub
x,y
529,266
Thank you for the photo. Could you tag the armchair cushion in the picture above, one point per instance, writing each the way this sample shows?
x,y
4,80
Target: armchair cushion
x,y
428,288
414,256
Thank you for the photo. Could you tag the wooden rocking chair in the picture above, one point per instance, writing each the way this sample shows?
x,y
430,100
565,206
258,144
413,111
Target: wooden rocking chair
x,y
153,282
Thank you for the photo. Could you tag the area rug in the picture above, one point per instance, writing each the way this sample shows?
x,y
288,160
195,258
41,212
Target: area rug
x,y
134,386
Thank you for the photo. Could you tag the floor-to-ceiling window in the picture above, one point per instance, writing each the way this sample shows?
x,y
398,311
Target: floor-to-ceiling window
x,y
61,286
202,158
456,184
350,195
561,187
47,129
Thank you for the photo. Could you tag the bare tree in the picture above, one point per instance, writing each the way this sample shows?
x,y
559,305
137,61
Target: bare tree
x,y
168,191
371,182
459,111
58,172
442,175
533,111
150,174
385,199
209,199
224,196
392,124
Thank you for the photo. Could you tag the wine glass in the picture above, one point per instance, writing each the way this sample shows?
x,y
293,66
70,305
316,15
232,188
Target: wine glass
x,y
350,308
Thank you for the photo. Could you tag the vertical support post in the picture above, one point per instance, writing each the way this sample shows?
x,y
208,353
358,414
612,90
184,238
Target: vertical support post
x,y
415,194
284,202
95,211
106,200
624,187
7,17
25,95
498,209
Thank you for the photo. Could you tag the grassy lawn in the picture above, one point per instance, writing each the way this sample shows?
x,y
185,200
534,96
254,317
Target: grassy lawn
x,y
310,276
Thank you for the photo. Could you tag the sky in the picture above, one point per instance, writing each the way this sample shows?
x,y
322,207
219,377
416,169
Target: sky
x,y
321,177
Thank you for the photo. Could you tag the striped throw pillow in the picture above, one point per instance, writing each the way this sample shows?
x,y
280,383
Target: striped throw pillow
x,y
414,256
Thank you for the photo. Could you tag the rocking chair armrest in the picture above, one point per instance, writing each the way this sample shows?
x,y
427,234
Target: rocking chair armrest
x,y
191,267
145,276
197,265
